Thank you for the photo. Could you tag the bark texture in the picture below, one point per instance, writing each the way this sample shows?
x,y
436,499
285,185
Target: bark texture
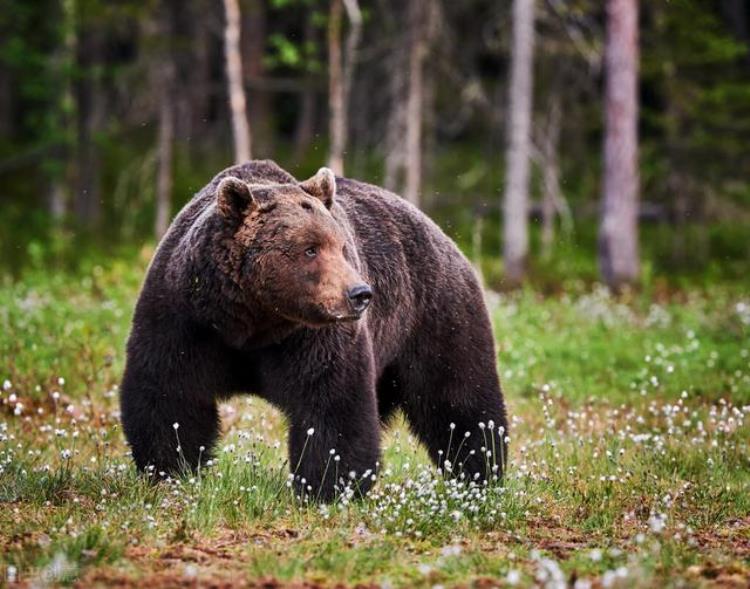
x,y
341,73
237,102
552,193
164,178
618,237
396,126
253,38
520,100
404,135
90,111
335,89
305,128
417,52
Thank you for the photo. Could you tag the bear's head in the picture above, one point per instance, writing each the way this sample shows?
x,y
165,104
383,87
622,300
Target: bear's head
x,y
287,253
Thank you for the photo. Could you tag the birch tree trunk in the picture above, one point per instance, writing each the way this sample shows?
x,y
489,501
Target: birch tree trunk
x,y
520,99
404,135
434,25
340,75
618,233
237,102
417,52
335,89
552,194
396,127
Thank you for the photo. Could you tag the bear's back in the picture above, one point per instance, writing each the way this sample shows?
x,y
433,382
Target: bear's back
x,y
386,223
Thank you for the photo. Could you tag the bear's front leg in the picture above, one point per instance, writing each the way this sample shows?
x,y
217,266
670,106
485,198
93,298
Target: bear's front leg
x,y
170,429
334,438
172,377
335,449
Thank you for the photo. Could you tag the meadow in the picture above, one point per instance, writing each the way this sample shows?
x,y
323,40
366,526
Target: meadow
x,y
629,458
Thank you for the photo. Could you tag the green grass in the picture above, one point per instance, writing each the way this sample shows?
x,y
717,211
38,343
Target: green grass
x,y
630,461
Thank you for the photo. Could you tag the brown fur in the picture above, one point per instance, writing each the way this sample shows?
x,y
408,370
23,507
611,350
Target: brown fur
x,y
251,291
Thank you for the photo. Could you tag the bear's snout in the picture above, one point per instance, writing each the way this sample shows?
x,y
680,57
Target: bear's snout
x,y
359,297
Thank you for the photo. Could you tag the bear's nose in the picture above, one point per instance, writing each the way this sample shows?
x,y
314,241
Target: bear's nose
x,y
359,297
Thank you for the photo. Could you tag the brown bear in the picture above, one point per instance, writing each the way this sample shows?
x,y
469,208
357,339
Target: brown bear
x,y
336,301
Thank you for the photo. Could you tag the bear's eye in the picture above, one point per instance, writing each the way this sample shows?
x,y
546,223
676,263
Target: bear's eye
x,y
311,251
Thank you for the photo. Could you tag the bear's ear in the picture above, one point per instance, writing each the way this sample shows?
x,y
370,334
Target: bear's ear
x,y
322,186
233,198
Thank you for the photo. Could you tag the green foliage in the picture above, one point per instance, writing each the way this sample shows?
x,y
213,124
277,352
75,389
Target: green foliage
x,y
697,71
694,123
292,51
286,53
31,50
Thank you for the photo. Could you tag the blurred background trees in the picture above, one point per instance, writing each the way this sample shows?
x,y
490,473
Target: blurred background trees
x,y
618,232
517,160
553,139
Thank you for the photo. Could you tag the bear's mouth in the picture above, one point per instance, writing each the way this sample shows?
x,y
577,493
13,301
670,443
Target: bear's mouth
x,y
339,317
329,316
319,316
348,317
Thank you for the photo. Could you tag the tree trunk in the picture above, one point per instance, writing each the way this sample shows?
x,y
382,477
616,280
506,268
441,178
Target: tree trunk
x,y
417,53
305,128
429,102
165,150
253,39
516,200
199,78
58,194
236,90
335,89
179,35
340,76
6,103
737,17
618,233
396,126
90,107
476,245
551,195
403,158
57,199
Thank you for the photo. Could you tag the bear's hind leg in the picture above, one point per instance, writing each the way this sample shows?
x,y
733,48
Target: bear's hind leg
x,y
452,399
463,439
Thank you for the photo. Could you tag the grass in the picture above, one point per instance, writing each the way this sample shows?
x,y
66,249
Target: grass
x,y
630,461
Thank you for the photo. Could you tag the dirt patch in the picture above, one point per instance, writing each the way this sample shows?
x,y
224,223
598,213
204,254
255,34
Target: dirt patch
x,y
214,563
732,538
168,579
720,577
